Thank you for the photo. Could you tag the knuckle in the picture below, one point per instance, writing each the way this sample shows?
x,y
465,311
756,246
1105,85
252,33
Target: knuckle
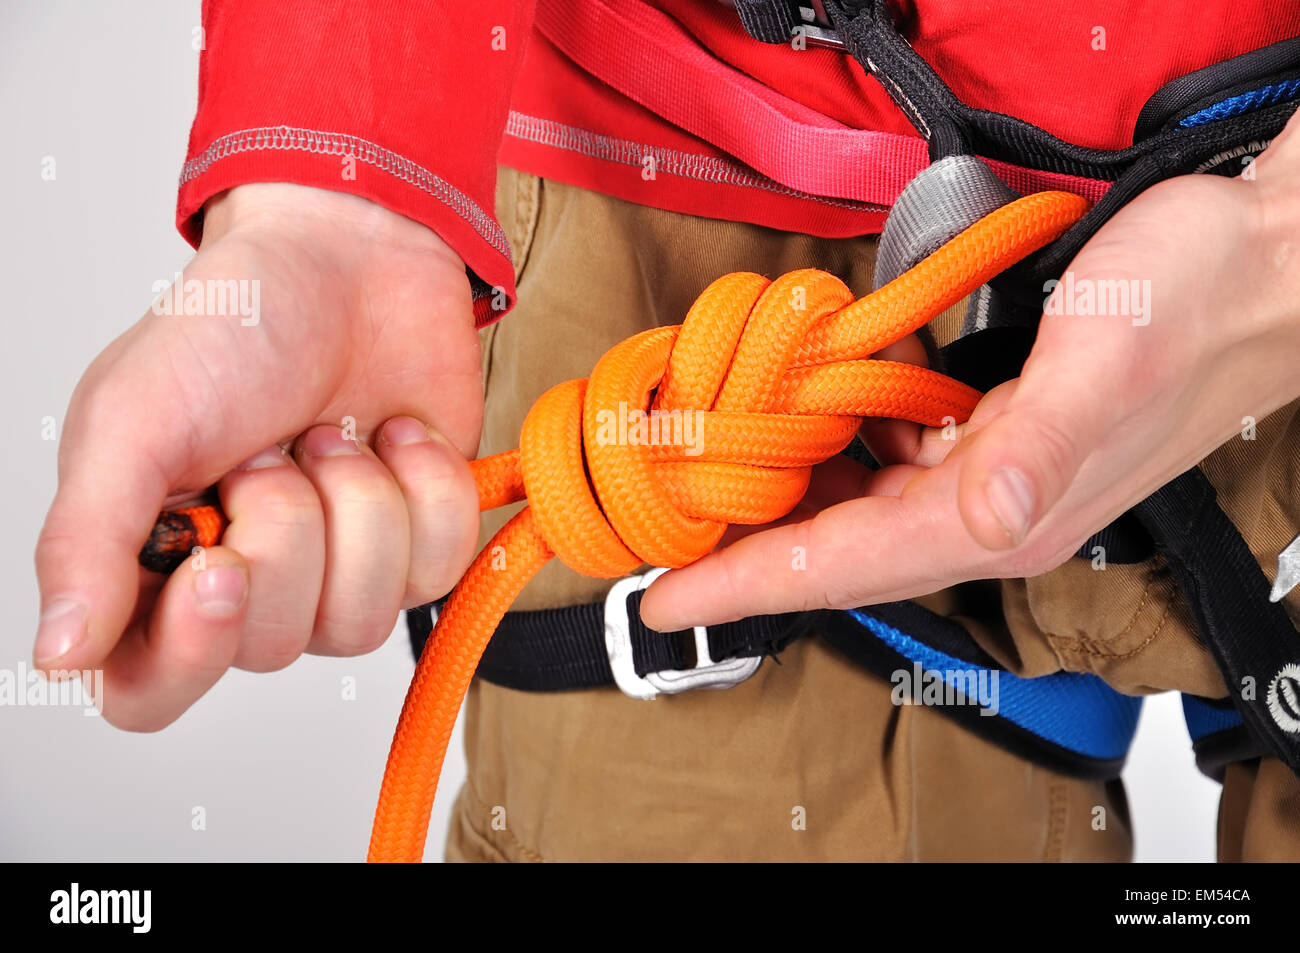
x,y
1033,558
372,494
831,589
357,635
428,583
1056,448
440,481
287,506
273,647
441,550
730,585
53,545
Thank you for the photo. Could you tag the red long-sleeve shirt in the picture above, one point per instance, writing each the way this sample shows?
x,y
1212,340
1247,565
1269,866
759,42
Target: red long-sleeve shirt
x,y
667,103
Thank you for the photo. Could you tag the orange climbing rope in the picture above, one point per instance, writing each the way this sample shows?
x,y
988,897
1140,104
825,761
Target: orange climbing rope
x,y
778,377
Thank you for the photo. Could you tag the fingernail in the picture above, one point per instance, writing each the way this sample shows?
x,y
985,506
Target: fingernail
x,y
328,442
62,626
221,589
270,457
403,430
1012,500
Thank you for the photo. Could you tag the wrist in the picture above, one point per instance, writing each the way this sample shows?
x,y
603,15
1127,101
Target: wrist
x,y
324,218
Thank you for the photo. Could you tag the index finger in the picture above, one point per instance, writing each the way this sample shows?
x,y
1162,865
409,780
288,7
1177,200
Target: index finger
x,y
866,550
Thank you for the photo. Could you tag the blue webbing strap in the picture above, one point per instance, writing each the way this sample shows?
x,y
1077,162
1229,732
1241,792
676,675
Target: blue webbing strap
x,y
1218,735
1268,95
1072,723
1075,711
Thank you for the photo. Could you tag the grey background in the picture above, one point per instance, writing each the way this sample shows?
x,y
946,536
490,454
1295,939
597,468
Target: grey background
x,y
283,767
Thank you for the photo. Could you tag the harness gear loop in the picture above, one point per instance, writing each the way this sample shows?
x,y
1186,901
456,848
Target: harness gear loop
x,y
776,376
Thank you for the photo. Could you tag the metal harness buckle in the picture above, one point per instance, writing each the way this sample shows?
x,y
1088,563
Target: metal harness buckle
x,y
816,26
706,673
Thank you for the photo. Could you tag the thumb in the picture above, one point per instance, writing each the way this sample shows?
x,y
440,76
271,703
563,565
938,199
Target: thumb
x,y
86,556
1019,464
125,443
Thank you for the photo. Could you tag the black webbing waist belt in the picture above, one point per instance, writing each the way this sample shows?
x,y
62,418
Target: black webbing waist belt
x,y
559,650
579,647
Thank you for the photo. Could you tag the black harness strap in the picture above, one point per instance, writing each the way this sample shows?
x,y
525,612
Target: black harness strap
x,y
560,650
766,21
565,649
1252,639
1186,94
1219,736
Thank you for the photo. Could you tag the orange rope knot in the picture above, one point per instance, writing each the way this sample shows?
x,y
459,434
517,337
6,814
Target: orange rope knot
x,y
768,379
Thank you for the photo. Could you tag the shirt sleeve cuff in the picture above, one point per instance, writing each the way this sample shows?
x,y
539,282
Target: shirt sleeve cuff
x,y
345,163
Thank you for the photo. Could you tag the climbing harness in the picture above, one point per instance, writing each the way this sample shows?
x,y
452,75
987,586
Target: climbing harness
x,y
779,374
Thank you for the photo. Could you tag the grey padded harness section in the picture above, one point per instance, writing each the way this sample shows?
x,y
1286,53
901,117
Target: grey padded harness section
x,y
944,199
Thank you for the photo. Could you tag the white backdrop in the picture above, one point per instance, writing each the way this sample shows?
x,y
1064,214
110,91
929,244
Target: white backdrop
x,y
281,765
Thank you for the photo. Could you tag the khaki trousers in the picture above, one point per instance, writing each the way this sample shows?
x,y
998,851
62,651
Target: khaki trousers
x,y
809,759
